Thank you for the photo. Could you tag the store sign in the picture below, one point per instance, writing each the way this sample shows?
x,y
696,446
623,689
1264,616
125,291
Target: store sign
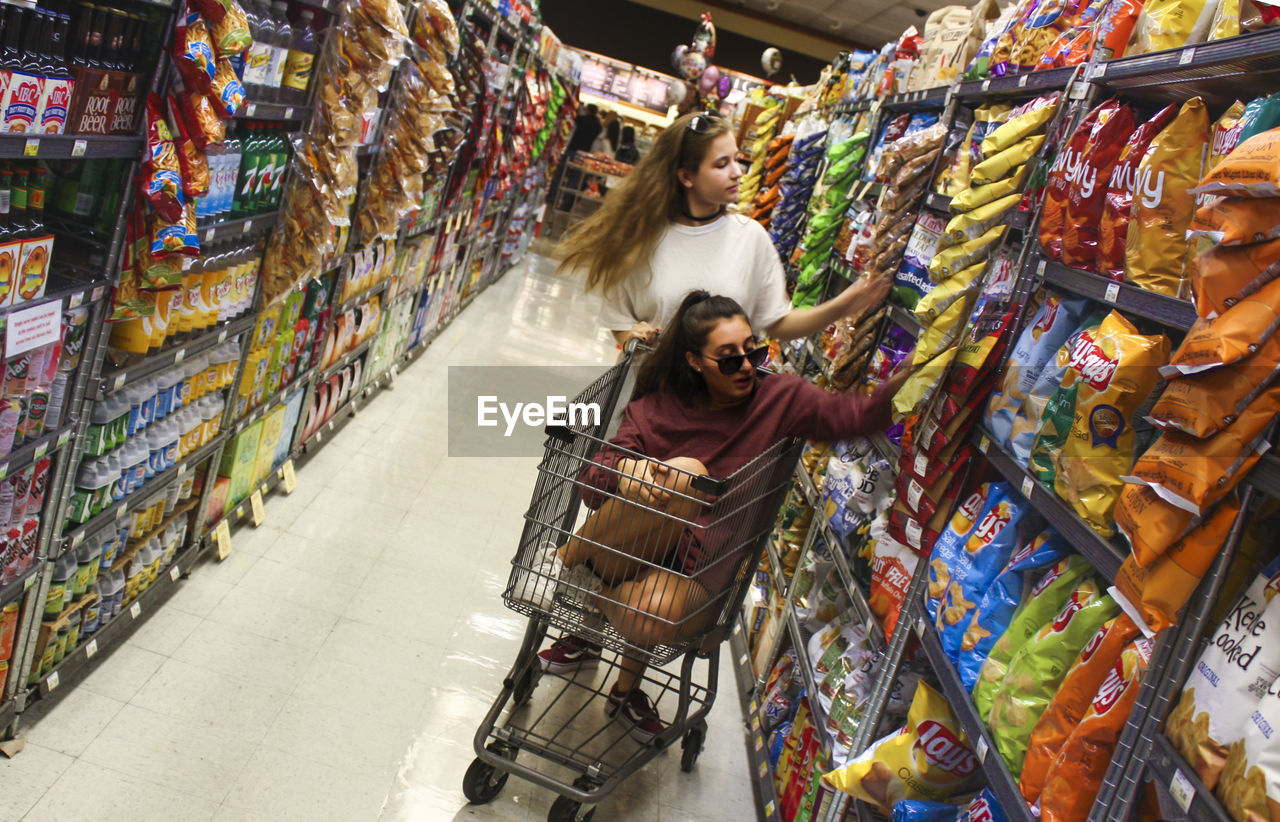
x,y
614,80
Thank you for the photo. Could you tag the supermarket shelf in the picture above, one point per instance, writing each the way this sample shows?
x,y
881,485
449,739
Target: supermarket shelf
x,y
905,320
75,666
19,586
837,547
362,296
938,202
1001,782
1178,785
914,99
336,422
1220,68
243,508
762,788
1265,476
807,487
147,493
64,146
61,287
779,581
800,644
1172,312
129,374
274,111
1105,556
269,404
345,360
8,710
212,230
1017,84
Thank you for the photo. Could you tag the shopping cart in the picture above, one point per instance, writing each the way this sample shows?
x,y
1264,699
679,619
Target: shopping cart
x,y
680,603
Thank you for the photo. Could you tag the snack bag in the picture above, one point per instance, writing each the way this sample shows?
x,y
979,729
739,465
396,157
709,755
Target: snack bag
x,y
1024,121
1054,321
928,759
1086,189
960,286
1237,221
1256,15
891,573
1000,602
1001,165
1238,665
1248,171
1156,245
226,94
1159,591
970,224
1192,473
1046,599
972,198
912,282
954,259
161,172
980,350
1113,227
1064,168
1071,702
1227,274
952,540
1038,667
1149,523
1172,24
192,161
1250,784
231,34
1112,376
914,810
193,53
1072,785
1226,20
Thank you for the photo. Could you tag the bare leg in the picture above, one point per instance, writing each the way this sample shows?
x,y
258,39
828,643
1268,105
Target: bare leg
x,y
657,608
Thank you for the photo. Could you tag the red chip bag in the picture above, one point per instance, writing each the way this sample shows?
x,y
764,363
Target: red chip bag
x,y
1112,29
193,53
1087,191
1113,226
1065,167
161,171
891,572
193,162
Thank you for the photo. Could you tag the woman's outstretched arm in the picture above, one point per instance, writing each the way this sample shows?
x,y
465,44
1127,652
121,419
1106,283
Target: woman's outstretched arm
x,y
855,300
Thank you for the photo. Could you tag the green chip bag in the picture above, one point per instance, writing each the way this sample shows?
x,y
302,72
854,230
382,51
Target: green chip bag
x,y
1045,600
1037,669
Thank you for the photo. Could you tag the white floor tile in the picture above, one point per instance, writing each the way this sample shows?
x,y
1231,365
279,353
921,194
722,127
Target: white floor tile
x,y
70,724
212,700
89,791
283,786
28,776
125,671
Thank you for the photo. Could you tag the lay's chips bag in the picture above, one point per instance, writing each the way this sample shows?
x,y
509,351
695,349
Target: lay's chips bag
x,y
1087,189
1053,219
1113,226
953,538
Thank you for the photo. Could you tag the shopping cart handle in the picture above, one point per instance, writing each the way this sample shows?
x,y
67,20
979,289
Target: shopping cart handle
x,y
709,485
561,432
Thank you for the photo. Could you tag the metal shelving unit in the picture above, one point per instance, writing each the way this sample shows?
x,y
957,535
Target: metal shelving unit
x,y
1175,313
126,375
68,146
762,787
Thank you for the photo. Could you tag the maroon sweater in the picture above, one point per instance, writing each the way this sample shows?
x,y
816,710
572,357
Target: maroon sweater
x,y
661,427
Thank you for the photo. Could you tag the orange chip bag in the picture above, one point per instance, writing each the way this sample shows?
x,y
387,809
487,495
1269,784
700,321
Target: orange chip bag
x,y
891,570
1113,226
1226,274
1204,404
1237,221
928,759
1149,523
1193,474
1156,246
1072,700
1251,170
1065,165
1159,592
1077,773
1234,335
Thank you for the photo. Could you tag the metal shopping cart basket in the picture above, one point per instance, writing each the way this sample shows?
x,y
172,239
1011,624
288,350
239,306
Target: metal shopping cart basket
x,y
680,567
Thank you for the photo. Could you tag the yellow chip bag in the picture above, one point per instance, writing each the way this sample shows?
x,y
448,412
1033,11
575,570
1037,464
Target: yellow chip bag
x,y
929,759
999,166
971,198
1172,24
1023,122
942,297
1156,247
920,387
956,258
1226,20
972,224
941,334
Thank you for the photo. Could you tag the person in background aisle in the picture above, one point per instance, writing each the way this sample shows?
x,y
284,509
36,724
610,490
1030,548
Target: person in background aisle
x,y
586,128
668,229
610,130
627,151
699,406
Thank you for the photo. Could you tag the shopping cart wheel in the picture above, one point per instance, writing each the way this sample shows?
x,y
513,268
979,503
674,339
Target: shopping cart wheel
x,y
691,747
483,782
565,809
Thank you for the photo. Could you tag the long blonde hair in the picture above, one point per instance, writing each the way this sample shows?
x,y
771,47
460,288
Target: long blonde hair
x,y
621,235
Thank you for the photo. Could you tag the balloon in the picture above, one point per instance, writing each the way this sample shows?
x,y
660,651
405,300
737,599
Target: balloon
x,y
771,61
707,35
692,65
726,83
677,90
709,80
678,55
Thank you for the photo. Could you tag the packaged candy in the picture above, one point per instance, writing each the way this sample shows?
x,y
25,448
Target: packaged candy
x,y
1113,227
1045,600
1071,788
928,759
193,53
1086,189
1069,705
1039,666
162,176
952,540
1227,274
1239,664
1001,165
1159,592
1002,599
1156,246
1251,170
1238,221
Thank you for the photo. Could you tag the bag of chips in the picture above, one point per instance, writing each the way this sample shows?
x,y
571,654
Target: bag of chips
x,y
970,224
1001,165
960,286
980,350
1157,593
928,759
891,571
1227,274
1070,704
1226,20
1064,168
230,32
1238,665
1204,404
1156,246
1172,24
1113,227
193,53
161,172
1250,783
1024,121
956,258
1039,666
1086,189
1112,376
957,533
1045,600
972,198
1262,114
941,334
1238,221
912,282
1071,788
192,161
227,94
1149,523
1250,170
1193,473
1002,599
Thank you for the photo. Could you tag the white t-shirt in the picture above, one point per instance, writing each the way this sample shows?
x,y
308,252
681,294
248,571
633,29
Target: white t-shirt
x,y
731,257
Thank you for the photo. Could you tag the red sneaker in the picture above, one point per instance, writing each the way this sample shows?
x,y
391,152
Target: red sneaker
x,y
568,654
636,708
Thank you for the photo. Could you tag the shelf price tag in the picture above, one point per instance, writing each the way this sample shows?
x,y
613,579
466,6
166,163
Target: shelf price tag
x,y
79,147
982,749
135,610
1028,485
120,378
41,450
52,681
250,110
255,503
1188,54
179,356
1022,81
64,438
920,626
174,573
91,649
986,84
984,444
32,147
248,226
289,477
759,743
288,113
1099,71
209,232
1041,267
1112,292
1181,789
222,538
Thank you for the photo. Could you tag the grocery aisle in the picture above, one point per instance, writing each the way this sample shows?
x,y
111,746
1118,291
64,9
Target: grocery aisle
x,y
336,665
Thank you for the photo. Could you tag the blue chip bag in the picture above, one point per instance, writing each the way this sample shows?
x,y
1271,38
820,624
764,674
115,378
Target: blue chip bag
x,y
1055,320
970,569
953,538
983,808
778,741
913,281
919,810
1002,599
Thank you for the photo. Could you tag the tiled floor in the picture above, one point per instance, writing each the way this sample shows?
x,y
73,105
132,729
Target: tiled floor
x,y
337,664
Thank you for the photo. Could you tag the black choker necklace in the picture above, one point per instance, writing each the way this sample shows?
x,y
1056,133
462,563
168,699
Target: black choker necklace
x,y
684,209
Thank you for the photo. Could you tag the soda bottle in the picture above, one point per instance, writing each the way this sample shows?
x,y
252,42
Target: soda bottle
x,y
302,55
250,161
18,228
257,61
280,54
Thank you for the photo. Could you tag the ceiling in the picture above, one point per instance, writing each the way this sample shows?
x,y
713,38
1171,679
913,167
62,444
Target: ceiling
x,y
865,23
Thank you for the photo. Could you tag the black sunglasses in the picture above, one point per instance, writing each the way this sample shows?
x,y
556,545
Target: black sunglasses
x,y
732,364
701,123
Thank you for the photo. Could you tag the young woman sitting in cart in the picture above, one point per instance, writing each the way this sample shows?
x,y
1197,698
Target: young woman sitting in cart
x,y
699,408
